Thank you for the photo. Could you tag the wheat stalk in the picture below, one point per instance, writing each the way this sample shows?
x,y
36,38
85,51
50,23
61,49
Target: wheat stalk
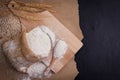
x,y
35,5
16,6
28,7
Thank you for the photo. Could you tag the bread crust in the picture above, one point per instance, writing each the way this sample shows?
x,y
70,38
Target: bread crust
x,y
26,51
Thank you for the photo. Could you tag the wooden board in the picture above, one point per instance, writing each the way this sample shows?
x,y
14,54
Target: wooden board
x,y
46,18
58,28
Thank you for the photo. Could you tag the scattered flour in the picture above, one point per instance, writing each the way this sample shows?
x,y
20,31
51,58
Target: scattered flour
x,y
11,46
60,49
36,70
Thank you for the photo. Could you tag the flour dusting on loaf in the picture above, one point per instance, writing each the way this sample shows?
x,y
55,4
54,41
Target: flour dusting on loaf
x,y
39,42
50,33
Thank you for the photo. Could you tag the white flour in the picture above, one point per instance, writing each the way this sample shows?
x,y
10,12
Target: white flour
x,y
50,33
60,49
36,70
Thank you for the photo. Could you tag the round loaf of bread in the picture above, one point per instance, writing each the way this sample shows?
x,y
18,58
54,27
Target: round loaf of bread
x,y
36,44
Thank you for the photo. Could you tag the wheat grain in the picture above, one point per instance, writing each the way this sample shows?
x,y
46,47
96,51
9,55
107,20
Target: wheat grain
x,y
21,14
39,6
25,8
35,5
27,17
